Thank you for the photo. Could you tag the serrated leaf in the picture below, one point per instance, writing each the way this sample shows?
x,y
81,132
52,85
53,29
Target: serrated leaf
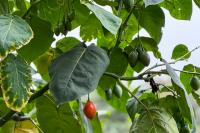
x,y
67,43
179,9
152,19
77,72
179,51
156,120
43,37
14,33
184,100
15,82
91,28
152,2
131,107
53,118
108,20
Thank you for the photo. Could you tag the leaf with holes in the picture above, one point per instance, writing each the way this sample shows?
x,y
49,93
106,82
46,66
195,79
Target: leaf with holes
x,y
14,33
15,82
77,72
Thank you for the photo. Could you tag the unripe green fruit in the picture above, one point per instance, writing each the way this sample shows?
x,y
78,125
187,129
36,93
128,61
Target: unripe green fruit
x,y
195,83
144,57
108,93
132,58
117,91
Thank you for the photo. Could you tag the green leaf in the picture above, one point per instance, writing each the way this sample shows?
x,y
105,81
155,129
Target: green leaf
x,y
55,119
96,125
156,120
179,9
197,2
4,108
8,127
108,20
67,43
77,72
185,78
15,32
152,19
81,14
91,28
42,64
116,67
152,2
148,43
184,100
43,37
25,126
4,7
179,51
15,82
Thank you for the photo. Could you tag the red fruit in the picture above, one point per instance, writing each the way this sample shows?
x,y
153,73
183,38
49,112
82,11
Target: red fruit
x,y
90,109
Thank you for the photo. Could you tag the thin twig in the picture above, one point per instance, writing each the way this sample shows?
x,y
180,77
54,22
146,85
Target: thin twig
x,y
173,62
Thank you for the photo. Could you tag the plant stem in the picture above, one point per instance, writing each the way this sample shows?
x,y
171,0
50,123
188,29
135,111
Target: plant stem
x,y
9,115
122,27
30,8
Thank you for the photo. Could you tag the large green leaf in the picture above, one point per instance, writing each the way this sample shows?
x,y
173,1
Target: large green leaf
x,y
108,20
155,120
179,9
4,7
184,100
179,51
15,82
91,28
118,65
152,2
56,119
43,37
15,32
21,7
152,19
77,72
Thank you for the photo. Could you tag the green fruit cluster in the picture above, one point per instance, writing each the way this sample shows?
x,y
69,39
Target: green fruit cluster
x,y
195,83
138,54
117,91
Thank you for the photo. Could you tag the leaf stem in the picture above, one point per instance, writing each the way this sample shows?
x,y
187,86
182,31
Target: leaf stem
x,y
9,115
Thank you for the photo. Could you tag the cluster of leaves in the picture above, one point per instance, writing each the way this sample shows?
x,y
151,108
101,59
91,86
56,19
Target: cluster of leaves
x,y
72,69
